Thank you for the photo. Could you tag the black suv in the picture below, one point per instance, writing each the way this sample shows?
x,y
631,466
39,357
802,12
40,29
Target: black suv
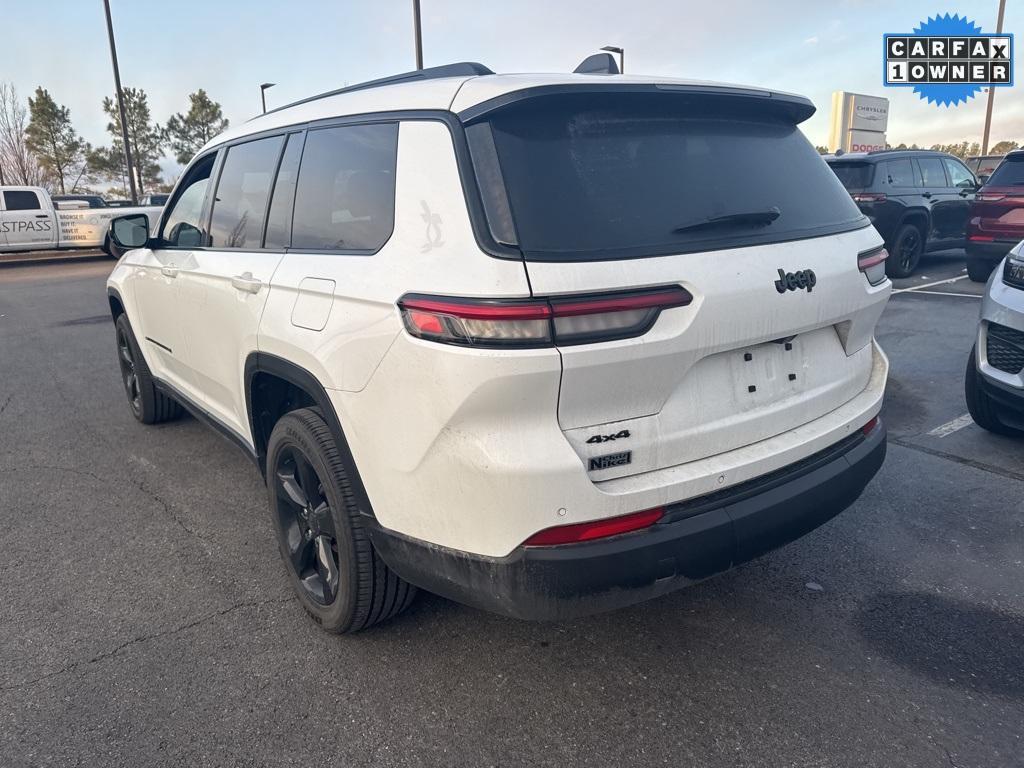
x,y
917,199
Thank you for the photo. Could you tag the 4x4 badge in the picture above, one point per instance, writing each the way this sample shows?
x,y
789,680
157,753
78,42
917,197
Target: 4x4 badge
x,y
791,281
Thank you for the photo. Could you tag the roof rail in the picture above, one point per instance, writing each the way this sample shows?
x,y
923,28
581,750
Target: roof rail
x,y
905,149
460,69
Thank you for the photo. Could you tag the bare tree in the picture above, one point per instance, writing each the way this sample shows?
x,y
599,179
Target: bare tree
x,y
17,163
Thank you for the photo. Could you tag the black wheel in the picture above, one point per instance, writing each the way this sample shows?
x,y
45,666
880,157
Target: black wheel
x,y
339,578
905,253
148,405
979,404
978,270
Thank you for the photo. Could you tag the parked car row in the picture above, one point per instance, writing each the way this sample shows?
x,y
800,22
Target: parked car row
x,y
31,220
922,201
97,201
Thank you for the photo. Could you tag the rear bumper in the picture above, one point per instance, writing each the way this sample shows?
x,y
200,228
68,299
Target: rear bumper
x,y
694,540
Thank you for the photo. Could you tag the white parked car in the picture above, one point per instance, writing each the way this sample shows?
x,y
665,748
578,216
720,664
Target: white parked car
x,y
544,344
31,221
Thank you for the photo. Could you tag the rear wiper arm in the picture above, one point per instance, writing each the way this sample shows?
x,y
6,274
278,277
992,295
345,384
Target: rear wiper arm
x,y
747,219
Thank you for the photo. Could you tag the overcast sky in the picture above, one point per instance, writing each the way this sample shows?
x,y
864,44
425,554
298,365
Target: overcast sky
x,y
172,47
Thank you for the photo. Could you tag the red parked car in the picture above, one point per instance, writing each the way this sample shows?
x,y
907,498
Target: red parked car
x,y
996,221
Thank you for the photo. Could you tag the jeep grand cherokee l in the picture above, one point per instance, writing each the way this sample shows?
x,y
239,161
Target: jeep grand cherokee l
x,y
545,344
918,200
996,220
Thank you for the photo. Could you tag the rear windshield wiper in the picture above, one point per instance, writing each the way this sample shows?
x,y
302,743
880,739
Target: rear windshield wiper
x,y
747,219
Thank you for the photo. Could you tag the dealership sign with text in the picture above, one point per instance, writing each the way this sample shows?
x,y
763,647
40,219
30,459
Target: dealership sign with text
x,y
948,59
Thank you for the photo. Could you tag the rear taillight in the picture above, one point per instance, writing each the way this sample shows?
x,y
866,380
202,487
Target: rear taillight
x,y
868,197
872,264
981,238
537,322
868,428
597,529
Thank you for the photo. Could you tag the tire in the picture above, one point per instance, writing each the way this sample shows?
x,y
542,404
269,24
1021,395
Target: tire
x,y
905,252
106,247
338,576
978,270
979,405
148,404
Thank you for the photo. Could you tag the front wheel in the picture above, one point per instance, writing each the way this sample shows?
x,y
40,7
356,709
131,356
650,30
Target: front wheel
x,y
905,254
980,405
332,565
149,405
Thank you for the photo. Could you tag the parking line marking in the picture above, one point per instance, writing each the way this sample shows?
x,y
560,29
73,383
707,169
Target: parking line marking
x,y
929,285
952,426
947,293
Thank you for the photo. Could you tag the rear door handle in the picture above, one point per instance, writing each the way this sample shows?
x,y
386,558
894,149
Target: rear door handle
x,y
926,195
42,215
247,283
169,271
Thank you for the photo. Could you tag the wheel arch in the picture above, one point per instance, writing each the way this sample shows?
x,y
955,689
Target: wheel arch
x,y
919,217
273,387
116,304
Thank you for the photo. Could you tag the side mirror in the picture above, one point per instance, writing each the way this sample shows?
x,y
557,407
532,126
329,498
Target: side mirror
x,y
127,232
184,235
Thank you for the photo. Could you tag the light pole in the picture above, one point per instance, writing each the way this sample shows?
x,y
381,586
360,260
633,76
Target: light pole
x,y
418,33
120,105
263,94
622,56
991,89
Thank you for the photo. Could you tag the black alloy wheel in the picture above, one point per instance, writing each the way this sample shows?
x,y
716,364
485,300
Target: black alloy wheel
x,y
129,372
307,524
906,252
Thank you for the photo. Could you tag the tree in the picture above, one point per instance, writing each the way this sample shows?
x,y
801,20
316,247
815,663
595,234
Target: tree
x,y
108,163
1003,147
188,133
17,163
961,150
145,137
51,137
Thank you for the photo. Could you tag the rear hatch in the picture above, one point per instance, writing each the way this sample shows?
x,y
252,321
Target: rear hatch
x,y
718,193
997,212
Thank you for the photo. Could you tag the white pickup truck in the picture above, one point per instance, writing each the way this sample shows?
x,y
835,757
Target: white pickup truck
x,y
31,221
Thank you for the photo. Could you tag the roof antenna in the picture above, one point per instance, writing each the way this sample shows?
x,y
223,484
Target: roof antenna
x,y
598,64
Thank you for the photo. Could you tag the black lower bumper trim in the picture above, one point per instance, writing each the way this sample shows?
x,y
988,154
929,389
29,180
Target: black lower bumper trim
x,y
695,540
1009,401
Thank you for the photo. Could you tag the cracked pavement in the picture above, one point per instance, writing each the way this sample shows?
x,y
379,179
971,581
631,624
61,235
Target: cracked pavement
x,y
145,618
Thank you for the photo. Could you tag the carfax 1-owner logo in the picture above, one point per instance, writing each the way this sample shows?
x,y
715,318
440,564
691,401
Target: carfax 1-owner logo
x,y
948,59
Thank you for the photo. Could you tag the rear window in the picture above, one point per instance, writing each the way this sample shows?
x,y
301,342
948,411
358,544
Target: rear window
x,y
1010,173
854,175
637,174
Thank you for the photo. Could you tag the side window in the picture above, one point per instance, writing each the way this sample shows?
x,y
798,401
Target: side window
x,y
243,191
900,173
959,176
932,174
279,220
21,200
345,198
183,226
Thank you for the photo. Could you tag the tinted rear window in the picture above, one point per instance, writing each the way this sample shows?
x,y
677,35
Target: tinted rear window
x,y
1010,173
630,174
853,175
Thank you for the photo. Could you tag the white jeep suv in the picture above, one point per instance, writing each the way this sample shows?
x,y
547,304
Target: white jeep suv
x,y
543,344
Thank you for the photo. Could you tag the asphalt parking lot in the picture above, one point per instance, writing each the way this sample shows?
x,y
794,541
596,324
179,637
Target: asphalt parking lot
x,y
145,618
